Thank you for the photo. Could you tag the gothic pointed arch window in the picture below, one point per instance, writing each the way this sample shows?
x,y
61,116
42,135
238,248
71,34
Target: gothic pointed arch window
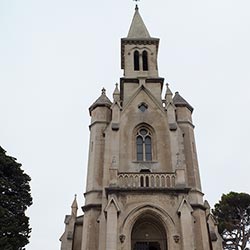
x,y
144,145
145,60
136,61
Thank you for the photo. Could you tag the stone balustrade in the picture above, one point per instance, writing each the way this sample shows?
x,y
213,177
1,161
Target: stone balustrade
x,y
146,180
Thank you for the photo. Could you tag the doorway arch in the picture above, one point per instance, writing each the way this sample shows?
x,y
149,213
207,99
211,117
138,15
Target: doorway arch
x,y
148,233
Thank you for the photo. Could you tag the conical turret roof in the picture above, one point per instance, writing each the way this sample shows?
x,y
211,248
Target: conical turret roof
x,y
138,29
103,100
179,101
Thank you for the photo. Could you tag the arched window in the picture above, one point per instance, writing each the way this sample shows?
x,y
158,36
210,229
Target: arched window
x,y
136,61
144,145
145,60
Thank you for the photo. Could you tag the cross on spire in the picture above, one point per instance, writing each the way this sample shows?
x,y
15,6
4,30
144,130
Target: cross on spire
x,y
136,6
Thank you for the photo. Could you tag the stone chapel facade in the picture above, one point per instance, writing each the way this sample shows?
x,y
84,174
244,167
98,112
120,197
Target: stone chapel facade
x,y
143,184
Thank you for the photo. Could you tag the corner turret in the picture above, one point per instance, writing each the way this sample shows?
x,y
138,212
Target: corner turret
x,y
100,112
102,101
184,119
100,109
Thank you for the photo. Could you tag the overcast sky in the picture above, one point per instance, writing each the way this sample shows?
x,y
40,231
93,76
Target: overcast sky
x,y
56,55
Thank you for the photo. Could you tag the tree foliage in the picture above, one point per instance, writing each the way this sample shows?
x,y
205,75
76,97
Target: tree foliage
x,y
14,200
233,215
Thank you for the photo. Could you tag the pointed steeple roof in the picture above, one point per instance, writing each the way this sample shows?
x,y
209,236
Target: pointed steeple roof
x,y
138,34
179,101
138,29
74,207
116,93
168,95
103,100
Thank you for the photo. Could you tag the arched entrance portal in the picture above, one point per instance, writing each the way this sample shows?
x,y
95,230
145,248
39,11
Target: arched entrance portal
x,y
148,233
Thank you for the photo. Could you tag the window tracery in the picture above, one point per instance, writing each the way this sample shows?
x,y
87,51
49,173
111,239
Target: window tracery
x,y
144,145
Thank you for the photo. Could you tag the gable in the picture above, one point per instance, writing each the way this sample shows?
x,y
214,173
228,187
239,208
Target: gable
x,y
154,118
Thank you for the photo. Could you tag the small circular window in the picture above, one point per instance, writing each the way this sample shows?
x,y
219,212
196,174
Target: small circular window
x,y
143,107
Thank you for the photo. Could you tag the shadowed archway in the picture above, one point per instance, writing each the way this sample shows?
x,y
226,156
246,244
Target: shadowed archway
x,y
148,233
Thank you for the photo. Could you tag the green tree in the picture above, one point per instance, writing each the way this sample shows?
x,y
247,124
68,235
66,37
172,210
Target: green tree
x,y
14,200
233,215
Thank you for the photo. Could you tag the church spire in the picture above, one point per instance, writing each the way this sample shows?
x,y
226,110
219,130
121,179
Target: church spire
x,y
138,29
139,53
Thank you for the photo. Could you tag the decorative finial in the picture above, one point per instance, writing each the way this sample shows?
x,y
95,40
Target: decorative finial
x,y
168,89
136,6
74,207
168,95
103,91
116,93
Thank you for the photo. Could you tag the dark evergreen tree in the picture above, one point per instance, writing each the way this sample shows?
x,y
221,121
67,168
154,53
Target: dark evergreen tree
x,y
15,198
233,215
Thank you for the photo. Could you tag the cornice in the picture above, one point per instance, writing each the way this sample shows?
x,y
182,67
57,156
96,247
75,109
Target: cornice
x,y
91,206
148,190
186,122
198,206
98,122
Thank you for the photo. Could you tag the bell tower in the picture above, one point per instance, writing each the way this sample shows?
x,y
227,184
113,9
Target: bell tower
x,y
139,50
139,60
143,184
